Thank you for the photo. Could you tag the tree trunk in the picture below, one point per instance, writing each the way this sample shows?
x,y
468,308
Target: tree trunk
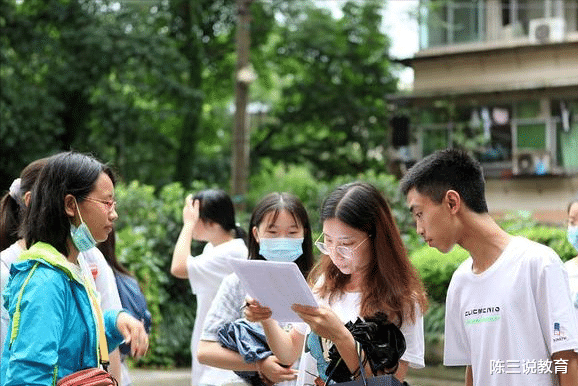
x,y
189,13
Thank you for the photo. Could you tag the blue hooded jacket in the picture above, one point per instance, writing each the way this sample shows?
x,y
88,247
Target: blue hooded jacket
x,y
52,331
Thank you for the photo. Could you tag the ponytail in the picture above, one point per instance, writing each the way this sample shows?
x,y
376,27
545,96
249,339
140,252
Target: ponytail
x,y
9,221
12,205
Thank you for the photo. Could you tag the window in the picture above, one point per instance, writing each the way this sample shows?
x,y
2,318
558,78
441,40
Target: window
x,y
530,125
434,139
565,117
498,118
531,136
518,13
447,22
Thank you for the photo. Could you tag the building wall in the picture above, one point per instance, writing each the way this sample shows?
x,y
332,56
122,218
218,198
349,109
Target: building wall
x,y
504,68
523,67
546,197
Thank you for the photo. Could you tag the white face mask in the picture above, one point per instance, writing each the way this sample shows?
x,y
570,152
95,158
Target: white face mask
x,y
81,236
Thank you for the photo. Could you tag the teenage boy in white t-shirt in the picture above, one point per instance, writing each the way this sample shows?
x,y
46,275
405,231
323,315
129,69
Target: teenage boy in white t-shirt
x,y
509,317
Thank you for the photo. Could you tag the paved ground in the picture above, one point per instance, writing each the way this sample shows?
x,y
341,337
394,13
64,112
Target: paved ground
x,y
178,377
431,376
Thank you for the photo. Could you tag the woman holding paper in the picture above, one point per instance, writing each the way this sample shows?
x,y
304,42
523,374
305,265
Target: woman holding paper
x,y
364,271
279,230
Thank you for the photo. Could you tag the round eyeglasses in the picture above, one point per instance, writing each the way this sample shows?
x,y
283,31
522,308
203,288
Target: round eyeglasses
x,y
344,251
109,204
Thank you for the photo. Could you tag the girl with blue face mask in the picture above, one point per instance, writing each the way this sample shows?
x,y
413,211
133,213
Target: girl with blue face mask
x,y
572,265
279,230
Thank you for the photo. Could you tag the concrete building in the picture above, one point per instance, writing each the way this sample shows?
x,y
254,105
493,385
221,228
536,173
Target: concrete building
x,y
499,77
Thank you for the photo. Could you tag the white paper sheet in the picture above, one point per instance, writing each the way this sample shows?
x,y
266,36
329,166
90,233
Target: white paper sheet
x,y
277,285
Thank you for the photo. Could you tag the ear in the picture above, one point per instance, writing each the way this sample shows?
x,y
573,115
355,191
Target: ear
x,y
27,197
453,201
70,206
255,233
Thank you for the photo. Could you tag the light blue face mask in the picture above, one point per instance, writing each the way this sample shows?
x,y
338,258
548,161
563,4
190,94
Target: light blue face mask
x,y
573,236
281,249
81,236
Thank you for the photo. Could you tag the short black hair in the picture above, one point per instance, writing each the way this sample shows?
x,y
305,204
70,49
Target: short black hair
x,y
449,169
217,206
64,173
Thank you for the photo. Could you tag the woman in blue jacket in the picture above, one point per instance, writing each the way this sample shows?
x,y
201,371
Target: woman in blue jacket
x,y
54,312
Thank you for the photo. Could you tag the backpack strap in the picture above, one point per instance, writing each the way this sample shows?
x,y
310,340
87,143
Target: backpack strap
x,y
102,350
102,345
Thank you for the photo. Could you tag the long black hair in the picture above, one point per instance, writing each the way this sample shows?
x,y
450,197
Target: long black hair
x,y
64,173
275,203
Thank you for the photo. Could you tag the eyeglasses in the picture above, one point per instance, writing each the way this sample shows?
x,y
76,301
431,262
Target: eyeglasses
x,y
109,204
344,251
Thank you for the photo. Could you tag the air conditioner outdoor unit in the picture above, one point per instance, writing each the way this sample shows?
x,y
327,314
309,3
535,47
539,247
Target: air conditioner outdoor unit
x,y
532,162
547,30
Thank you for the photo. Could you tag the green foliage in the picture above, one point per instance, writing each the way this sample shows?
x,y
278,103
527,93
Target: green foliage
x,y
522,223
148,86
122,80
515,221
331,75
553,237
134,253
297,180
147,229
436,269
433,321
434,325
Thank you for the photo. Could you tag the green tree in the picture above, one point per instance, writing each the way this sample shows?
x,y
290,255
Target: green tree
x,y
144,85
91,76
333,76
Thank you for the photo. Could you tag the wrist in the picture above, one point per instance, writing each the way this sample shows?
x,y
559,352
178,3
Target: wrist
x,y
344,338
268,323
188,226
259,365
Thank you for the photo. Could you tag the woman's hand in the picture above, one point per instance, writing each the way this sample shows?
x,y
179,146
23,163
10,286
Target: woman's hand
x,y
271,371
191,210
183,245
255,312
134,334
323,321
